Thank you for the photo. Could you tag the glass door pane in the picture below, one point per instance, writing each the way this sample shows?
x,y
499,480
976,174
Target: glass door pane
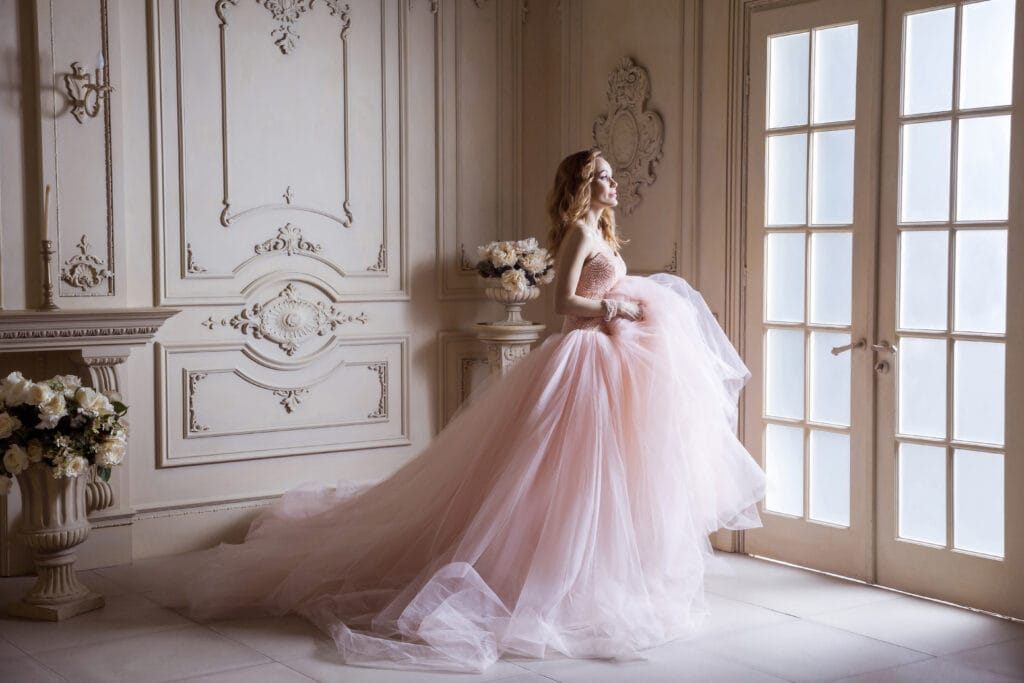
x,y
946,352
812,142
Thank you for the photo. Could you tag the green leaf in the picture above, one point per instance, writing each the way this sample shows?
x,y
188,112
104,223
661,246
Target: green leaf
x,y
119,407
104,473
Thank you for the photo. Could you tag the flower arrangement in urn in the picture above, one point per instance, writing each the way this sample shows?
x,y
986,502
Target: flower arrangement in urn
x,y
60,424
517,269
51,432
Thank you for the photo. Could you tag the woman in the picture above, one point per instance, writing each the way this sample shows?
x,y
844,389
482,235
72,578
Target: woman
x,y
564,510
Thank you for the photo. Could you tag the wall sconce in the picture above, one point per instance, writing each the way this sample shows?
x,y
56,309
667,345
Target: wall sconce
x,y
86,97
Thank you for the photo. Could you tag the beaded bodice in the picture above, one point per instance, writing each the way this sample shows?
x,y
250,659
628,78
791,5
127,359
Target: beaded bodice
x,y
599,274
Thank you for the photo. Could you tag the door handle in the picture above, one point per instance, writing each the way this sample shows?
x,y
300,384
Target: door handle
x,y
884,346
836,350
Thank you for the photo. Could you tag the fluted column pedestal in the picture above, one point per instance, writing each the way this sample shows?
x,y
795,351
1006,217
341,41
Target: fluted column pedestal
x,y
53,523
507,344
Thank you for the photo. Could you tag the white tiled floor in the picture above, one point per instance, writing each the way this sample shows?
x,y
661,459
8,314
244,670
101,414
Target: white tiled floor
x,y
769,622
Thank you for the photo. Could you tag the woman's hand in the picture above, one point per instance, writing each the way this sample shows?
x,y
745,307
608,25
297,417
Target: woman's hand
x,y
630,310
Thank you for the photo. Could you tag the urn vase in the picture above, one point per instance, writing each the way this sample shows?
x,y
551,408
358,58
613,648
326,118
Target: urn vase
x,y
513,301
53,522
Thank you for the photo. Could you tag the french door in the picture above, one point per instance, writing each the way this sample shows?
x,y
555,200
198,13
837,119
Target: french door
x,y
883,310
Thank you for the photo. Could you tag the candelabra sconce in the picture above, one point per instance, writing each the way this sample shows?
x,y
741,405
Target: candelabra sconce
x,y
86,96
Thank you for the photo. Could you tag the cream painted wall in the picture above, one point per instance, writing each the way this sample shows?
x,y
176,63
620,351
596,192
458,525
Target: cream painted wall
x,y
495,93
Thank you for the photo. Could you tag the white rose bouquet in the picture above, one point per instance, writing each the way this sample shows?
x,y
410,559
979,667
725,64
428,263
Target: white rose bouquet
x,y
60,423
519,264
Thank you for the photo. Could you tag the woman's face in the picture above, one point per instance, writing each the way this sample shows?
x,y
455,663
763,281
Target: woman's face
x,y
602,189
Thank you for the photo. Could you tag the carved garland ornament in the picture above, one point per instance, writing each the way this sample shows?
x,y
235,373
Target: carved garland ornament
x,y
630,137
287,320
84,270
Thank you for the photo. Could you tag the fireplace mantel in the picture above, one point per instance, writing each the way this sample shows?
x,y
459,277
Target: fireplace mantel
x,y
79,329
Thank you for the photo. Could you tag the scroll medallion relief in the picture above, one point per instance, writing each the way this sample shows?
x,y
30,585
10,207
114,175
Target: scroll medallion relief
x,y
288,320
630,135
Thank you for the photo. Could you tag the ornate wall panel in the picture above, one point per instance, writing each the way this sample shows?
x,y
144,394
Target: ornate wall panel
x,y
479,93
462,365
353,394
280,144
601,46
81,154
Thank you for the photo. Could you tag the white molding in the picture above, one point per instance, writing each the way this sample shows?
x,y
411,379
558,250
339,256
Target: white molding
x,y
173,282
396,415
456,278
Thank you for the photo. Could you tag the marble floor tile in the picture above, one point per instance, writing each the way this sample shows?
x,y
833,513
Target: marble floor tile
x,y
279,638
922,625
805,651
261,673
153,658
1005,658
937,670
122,617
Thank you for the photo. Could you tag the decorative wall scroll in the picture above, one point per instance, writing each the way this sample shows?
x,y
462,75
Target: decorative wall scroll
x,y
286,12
289,241
382,376
190,261
84,270
673,265
291,398
287,320
194,426
630,136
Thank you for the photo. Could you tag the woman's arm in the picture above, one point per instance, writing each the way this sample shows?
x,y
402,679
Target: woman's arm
x,y
572,254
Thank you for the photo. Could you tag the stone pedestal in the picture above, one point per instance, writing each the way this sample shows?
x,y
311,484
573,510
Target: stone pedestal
x,y
507,344
53,522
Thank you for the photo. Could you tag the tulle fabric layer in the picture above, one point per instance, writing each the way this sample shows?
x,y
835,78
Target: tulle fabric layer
x,y
564,509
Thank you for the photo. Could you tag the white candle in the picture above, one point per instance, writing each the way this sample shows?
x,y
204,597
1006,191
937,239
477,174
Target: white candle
x,y
99,61
46,213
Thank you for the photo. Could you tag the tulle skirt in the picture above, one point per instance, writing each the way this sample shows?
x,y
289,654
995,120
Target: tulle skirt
x,y
565,509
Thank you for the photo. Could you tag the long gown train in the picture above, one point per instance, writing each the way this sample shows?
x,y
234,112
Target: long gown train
x,y
564,509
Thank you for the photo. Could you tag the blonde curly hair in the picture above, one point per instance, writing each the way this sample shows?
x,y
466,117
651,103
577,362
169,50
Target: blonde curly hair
x,y
569,200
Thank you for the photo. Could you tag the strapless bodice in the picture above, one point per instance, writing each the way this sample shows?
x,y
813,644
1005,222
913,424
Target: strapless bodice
x,y
599,274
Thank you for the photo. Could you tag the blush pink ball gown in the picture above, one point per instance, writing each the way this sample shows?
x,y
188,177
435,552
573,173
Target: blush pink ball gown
x,y
564,510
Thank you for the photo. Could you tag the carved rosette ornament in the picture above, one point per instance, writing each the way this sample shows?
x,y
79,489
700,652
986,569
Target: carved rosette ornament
x,y
84,270
630,136
287,320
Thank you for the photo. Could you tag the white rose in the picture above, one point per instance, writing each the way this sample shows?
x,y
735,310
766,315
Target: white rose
x,y
35,452
93,402
39,393
514,280
8,425
547,277
5,485
535,262
529,244
15,459
110,452
16,389
504,254
77,466
56,408
71,383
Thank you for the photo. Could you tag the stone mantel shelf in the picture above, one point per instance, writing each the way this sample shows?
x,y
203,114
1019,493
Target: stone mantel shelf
x,y
80,329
